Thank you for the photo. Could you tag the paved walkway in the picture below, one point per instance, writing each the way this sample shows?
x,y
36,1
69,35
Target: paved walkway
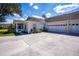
x,y
40,44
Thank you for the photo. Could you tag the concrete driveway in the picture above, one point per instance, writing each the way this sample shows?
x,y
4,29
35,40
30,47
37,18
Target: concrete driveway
x,y
40,44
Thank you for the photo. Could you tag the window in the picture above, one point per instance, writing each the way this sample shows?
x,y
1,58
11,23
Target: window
x,y
34,28
73,24
77,24
69,24
20,26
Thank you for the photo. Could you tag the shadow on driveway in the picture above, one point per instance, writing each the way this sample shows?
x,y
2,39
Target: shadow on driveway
x,y
70,34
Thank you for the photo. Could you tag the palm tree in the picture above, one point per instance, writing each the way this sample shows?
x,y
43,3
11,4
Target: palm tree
x,y
9,9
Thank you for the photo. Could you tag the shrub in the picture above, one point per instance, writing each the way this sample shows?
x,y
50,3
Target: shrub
x,y
17,33
37,31
0,27
10,29
45,30
25,32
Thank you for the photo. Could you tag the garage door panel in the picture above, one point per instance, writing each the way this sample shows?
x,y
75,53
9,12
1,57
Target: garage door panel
x,y
57,28
74,28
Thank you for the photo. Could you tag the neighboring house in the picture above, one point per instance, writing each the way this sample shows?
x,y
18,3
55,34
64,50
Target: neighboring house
x,y
67,23
4,24
29,25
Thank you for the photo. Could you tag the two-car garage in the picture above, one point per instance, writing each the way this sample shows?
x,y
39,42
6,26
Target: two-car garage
x,y
64,28
68,23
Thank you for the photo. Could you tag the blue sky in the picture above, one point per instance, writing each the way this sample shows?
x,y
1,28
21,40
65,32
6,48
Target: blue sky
x,y
48,9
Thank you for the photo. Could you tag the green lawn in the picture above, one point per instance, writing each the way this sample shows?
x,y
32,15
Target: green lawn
x,y
3,32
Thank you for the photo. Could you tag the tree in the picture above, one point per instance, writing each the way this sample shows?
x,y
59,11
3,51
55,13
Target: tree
x,y
9,9
44,15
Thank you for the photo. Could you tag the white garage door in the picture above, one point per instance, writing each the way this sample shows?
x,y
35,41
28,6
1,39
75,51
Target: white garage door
x,y
62,28
74,28
51,28
57,28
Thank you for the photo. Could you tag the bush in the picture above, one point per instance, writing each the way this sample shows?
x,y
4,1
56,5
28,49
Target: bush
x,y
45,30
37,31
11,29
0,27
17,33
24,32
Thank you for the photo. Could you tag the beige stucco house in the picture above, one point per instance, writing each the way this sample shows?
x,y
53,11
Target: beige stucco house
x,y
29,25
67,23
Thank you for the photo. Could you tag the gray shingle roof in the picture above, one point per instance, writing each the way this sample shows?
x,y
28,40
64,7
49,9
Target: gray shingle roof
x,y
34,19
18,21
72,16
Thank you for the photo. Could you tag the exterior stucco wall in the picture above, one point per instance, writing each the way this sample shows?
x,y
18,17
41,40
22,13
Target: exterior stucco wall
x,y
25,26
75,21
30,25
57,22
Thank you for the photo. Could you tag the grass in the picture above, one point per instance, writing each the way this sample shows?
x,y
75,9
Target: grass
x,y
4,32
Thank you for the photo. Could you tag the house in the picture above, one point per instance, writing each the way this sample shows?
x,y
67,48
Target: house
x,y
67,23
28,25
4,24
18,25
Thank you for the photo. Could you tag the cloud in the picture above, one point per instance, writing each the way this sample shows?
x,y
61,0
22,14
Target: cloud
x,y
23,18
36,16
66,8
35,7
20,18
9,20
16,15
31,4
48,15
